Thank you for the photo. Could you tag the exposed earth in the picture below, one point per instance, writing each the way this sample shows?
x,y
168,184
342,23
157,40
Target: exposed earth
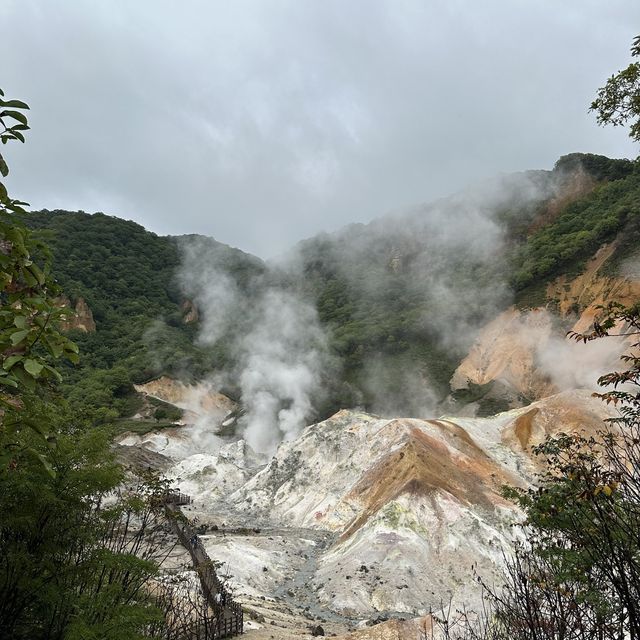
x,y
360,519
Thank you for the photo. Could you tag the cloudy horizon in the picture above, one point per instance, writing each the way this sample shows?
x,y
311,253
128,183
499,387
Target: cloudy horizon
x,y
262,123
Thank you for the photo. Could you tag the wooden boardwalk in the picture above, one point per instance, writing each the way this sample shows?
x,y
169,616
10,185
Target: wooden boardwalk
x,y
229,615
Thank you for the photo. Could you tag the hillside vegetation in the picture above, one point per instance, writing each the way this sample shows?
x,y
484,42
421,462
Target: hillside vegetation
x,y
400,298
127,275
583,225
404,296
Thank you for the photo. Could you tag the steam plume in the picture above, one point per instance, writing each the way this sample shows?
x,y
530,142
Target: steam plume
x,y
275,339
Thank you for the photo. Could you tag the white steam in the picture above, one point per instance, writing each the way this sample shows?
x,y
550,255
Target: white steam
x,y
210,288
406,296
273,336
575,365
281,361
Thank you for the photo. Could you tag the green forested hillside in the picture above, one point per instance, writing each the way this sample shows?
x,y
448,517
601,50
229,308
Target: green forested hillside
x,y
400,298
408,292
127,275
582,226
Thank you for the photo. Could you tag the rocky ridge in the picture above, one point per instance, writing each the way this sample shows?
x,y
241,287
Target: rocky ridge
x,y
363,517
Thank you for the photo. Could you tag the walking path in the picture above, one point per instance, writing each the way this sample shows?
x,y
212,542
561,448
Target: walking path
x,y
229,615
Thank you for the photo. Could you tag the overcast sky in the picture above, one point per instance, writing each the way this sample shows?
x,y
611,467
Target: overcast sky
x,y
266,121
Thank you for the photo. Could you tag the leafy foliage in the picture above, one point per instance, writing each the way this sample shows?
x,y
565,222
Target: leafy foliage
x,y
618,102
29,339
583,566
75,566
578,575
72,565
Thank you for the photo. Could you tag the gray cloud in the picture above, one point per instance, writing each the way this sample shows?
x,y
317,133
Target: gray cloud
x,y
263,122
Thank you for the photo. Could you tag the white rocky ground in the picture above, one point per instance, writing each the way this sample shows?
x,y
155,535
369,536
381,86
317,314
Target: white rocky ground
x,y
360,516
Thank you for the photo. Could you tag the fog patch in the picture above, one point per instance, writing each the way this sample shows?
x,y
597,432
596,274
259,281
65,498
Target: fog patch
x,y
421,283
398,389
211,289
406,295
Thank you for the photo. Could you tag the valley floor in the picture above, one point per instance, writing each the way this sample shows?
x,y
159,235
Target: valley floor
x,y
360,518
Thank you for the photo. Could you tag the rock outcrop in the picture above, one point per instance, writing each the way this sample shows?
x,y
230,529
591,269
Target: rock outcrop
x,y
362,517
586,292
413,629
78,317
190,313
200,401
362,514
527,350
505,351
572,186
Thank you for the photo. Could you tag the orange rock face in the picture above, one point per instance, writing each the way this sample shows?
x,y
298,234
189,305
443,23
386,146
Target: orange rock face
x,y
198,400
569,412
505,350
446,460
590,289
518,347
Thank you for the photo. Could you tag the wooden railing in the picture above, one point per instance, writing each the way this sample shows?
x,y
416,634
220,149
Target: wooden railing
x,y
229,617
177,498
214,628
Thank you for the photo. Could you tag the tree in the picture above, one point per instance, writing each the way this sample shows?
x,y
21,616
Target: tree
x,y
618,102
73,564
29,338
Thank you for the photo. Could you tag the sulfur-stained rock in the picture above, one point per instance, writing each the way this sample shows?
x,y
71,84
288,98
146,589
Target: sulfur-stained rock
x,y
505,350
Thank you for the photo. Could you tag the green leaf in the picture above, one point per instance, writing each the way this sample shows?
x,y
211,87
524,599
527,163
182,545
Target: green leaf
x,y
45,463
16,104
54,347
9,382
71,346
53,372
20,322
16,115
10,361
19,336
24,379
30,278
37,273
33,367
4,169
